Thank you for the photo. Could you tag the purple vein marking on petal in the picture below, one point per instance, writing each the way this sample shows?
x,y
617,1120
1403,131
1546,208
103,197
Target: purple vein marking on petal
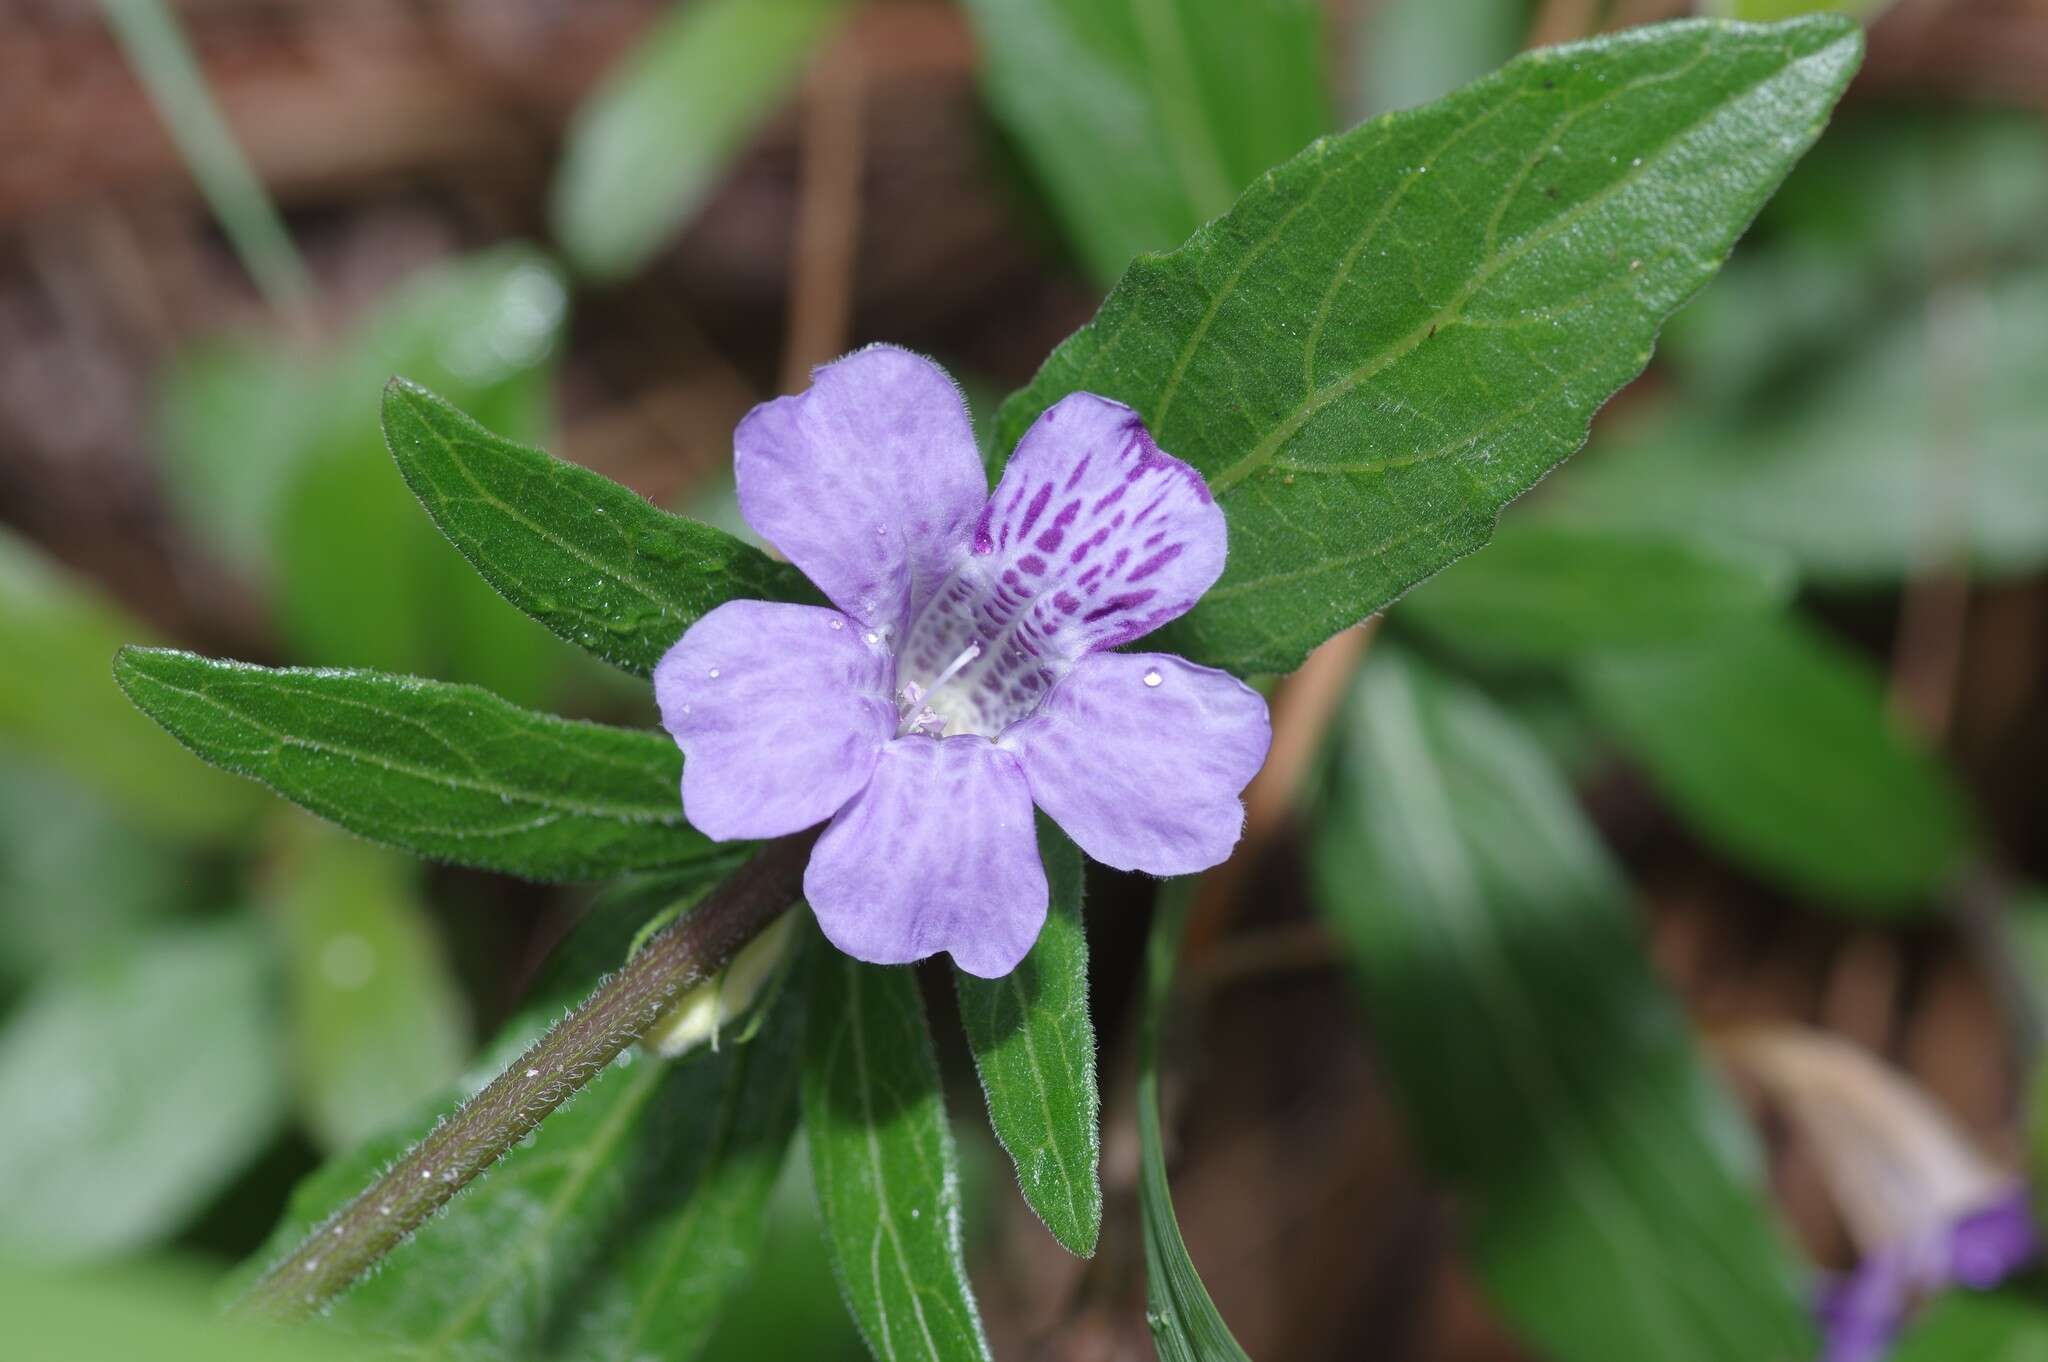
x,y
1031,513
1155,562
1055,575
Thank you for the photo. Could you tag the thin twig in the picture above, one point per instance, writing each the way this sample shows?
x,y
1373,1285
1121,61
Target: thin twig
x,y
557,1066
156,47
828,211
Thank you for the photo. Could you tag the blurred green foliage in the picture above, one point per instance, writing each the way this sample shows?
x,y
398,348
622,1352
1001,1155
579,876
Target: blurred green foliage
x,y
648,146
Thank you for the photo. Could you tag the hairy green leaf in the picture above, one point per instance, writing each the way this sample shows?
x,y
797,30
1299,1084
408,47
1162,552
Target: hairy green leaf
x,y
443,771
617,1232
1776,745
1551,593
1034,1046
136,1084
1399,331
1146,117
648,147
591,560
883,1162
57,701
1186,1326
376,1018
1618,1210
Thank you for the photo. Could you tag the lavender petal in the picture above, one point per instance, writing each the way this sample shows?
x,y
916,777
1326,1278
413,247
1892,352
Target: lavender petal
x,y
1141,758
780,711
937,853
1993,1242
869,481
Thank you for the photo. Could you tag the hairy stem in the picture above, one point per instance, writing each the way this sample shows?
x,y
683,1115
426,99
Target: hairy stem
x,y
557,1066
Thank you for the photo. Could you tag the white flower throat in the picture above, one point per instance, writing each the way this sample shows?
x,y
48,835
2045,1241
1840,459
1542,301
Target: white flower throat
x,y
925,709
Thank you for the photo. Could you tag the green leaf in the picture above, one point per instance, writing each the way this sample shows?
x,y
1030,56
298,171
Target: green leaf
x,y
448,772
647,148
1186,1326
1552,593
617,1232
591,560
163,1312
231,415
883,1163
377,1021
1770,11
58,702
1967,1326
1034,1047
1617,1209
73,876
791,1307
136,1084
362,579
1922,450
1145,118
1776,745
1399,331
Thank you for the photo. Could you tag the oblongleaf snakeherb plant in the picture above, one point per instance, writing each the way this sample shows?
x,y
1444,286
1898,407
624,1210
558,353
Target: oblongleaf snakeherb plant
x,y
1264,437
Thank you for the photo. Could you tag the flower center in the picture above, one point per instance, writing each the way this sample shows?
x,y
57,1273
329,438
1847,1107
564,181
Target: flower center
x,y
971,662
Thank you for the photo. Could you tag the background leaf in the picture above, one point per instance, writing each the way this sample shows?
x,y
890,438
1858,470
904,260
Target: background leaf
x,y
376,1020
136,1084
73,875
591,560
1775,744
883,1163
646,149
1145,118
1402,329
449,772
1926,450
1614,1205
1965,1326
1552,593
1186,1326
58,701
163,1312
1034,1047
1857,388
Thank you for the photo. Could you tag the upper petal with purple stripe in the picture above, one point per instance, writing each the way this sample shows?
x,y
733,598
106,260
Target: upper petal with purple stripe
x,y
1095,537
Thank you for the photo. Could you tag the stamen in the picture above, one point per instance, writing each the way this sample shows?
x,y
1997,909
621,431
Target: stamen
x,y
967,655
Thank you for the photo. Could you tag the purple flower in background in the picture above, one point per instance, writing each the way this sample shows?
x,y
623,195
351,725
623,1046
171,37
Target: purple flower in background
x,y
1864,1312
966,674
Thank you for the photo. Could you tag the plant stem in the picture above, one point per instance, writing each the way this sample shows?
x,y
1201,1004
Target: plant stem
x,y
148,32
557,1066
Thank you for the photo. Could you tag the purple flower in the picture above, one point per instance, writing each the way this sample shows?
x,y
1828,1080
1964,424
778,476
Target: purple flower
x,y
1864,1312
966,674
